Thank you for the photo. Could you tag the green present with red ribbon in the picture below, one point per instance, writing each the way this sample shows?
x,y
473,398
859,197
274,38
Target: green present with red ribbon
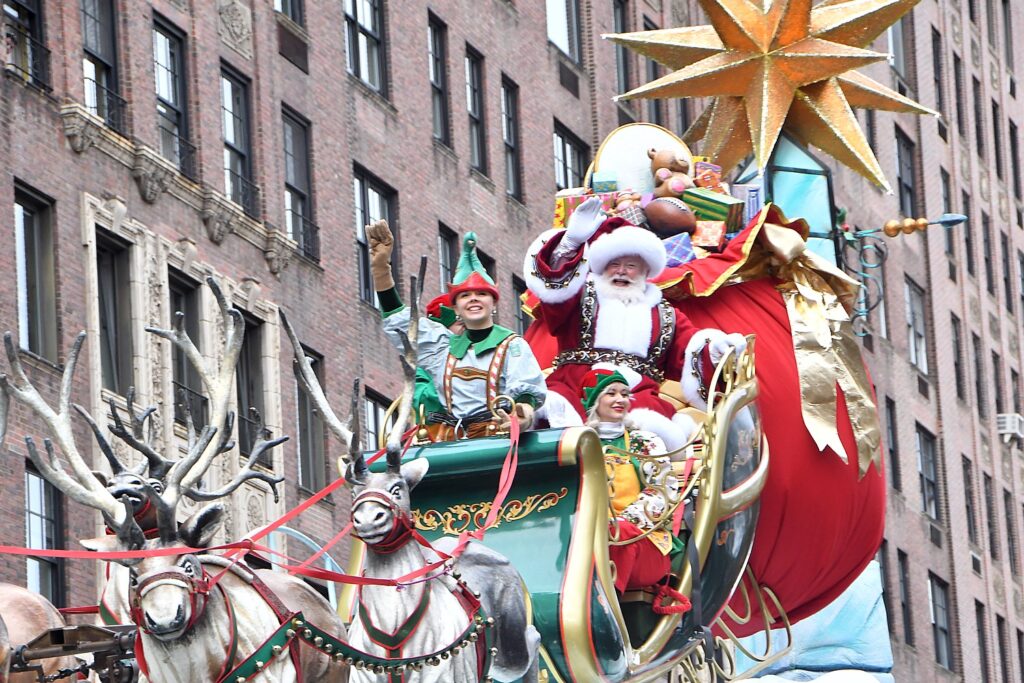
x,y
715,206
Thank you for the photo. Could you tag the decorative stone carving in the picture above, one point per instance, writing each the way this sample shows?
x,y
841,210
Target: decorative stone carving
x,y
1004,205
81,131
279,250
186,252
983,183
954,25
254,510
219,215
250,290
1000,590
1018,603
152,173
235,26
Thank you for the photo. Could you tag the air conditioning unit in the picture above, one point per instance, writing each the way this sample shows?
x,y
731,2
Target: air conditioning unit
x,y
1010,426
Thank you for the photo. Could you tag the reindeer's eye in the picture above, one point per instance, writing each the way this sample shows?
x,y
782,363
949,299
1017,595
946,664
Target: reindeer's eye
x,y
189,567
396,491
133,578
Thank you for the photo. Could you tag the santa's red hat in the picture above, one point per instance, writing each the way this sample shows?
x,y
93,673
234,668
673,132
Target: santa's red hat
x,y
616,238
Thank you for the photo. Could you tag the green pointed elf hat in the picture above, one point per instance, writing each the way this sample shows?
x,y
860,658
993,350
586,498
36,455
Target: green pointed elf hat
x,y
469,273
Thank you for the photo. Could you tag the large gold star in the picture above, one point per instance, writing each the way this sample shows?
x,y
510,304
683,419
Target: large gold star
x,y
773,65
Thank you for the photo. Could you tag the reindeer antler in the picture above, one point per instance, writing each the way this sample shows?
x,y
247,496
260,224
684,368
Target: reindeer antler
x,y
247,473
348,436
218,379
408,361
80,484
137,437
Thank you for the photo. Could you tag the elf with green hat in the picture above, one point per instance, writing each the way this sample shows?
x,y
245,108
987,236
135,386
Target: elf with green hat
x,y
642,487
471,361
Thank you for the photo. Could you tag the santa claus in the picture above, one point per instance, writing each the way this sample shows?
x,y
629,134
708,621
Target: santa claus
x,y
592,280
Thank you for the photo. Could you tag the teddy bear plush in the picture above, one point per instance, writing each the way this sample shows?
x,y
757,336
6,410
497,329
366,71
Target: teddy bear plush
x,y
671,173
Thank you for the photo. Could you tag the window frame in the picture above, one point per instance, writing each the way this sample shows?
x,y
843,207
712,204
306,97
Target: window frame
x,y
293,9
36,285
994,550
903,569
928,473
311,431
939,79
986,246
247,195
997,139
959,373
979,118
906,173
522,318
938,607
917,326
892,439
573,38
298,183
357,31
380,404
476,109
447,254
565,141
185,379
970,500
437,73
363,182
175,113
965,203
655,108
117,369
620,24
981,627
1010,519
511,138
981,396
103,97
250,390
52,516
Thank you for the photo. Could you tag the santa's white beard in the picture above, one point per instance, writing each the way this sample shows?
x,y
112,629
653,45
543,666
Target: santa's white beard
x,y
628,295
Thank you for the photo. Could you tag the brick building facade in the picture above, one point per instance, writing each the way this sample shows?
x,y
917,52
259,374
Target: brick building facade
x,y
146,145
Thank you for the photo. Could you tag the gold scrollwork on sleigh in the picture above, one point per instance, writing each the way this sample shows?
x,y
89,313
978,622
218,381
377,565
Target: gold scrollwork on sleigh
x,y
471,516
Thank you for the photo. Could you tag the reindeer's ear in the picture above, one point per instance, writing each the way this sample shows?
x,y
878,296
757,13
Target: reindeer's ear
x,y
414,471
198,530
101,477
102,544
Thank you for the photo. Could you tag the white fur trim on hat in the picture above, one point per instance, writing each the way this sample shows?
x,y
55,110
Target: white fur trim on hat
x,y
628,240
689,384
539,286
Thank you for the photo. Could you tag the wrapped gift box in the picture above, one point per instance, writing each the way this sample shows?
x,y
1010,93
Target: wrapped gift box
x,y
604,181
709,235
714,206
565,204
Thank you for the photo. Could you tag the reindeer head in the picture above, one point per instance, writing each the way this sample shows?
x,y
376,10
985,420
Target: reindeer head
x,y
381,509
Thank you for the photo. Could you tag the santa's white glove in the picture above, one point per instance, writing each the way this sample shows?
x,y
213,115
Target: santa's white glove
x,y
722,342
583,223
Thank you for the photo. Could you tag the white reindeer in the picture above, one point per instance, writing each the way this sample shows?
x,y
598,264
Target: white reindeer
x,y
188,630
431,610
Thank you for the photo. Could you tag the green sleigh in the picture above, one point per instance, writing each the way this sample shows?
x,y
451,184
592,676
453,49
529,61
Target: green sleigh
x,y
553,526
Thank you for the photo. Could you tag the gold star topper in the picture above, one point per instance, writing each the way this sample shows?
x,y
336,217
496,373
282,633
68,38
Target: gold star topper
x,y
774,65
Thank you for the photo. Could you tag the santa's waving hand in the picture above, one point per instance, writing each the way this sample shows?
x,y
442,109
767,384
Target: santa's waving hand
x,y
592,280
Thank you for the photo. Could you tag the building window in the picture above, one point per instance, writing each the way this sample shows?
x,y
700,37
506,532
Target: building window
x,y
99,64
938,80
871,129
979,120
927,469
892,443
965,201
113,275
961,94
376,407
43,532
900,48
990,514
1015,159
26,54
1020,635
903,566
958,357
1008,45
981,627
33,248
905,174
189,400
475,107
1004,648
970,511
1004,243
238,184
373,202
312,460
523,319
437,63
684,116
447,253
979,376
1010,514
1020,276
570,158
487,261
654,104
883,569
292,9
917,333
364,42
298,189
947,207
997,138
564,26
171,97
997,382
510,136
938,602
992,27
986,246
249,385
620,24
1015,389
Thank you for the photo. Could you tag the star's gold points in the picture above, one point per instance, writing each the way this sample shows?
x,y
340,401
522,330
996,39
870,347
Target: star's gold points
x,y
774,65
